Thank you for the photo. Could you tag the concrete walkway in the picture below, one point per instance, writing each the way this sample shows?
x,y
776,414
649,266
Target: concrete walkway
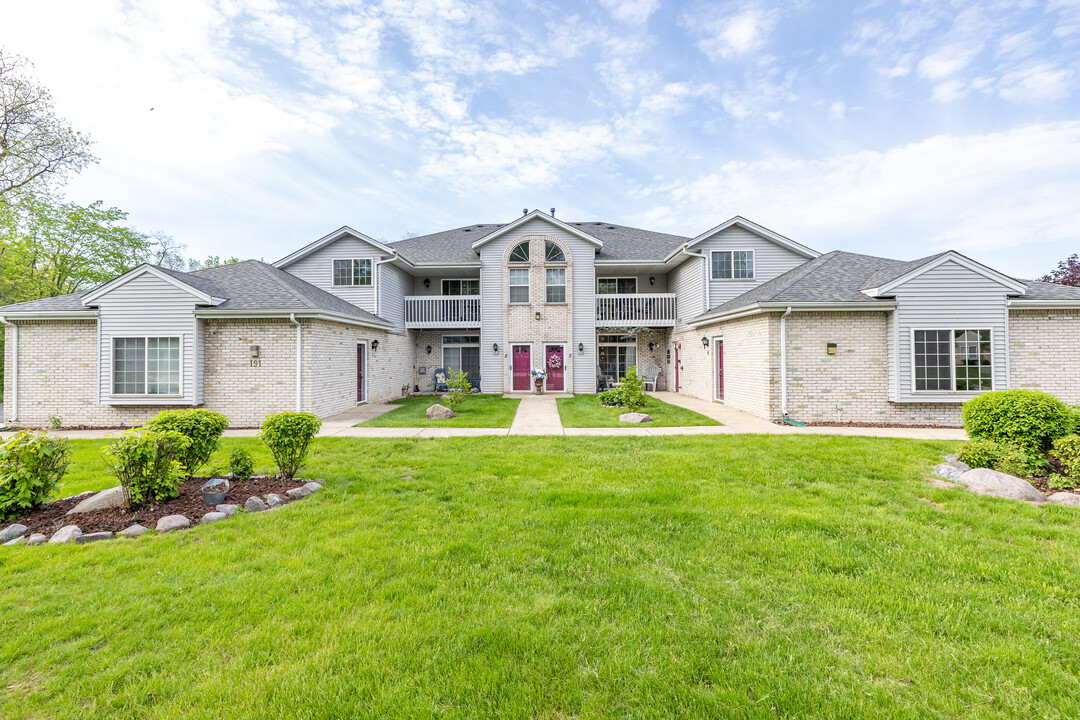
x,y
537,415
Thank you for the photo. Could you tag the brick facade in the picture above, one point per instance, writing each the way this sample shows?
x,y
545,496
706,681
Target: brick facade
x,y
1043,349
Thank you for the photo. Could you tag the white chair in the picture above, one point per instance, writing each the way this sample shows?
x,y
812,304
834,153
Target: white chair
x,y
649,378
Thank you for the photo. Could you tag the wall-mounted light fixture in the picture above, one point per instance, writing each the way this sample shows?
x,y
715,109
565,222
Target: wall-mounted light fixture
x,y
428,349
495,348
427,283
254,351
374,344
537,314
581,348
652,280
652,346
705,343
830,348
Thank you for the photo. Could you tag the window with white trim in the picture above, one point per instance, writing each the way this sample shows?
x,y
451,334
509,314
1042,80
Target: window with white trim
x,y
462,352
953,360
555,280
461,287
733,265
520,253
519,285
146,366
616,286
553,253
352,272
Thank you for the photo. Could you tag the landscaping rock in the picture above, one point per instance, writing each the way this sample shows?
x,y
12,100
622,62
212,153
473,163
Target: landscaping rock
x,y
38,539
134,531
984,481
298,493
958,465
213,516
439,412
254,504
11,532
947,471
17,541
111,498
172,522
313,487
319,481
1064,498
635,417
83,494
228,510
93,537
950,458
273,500
66,534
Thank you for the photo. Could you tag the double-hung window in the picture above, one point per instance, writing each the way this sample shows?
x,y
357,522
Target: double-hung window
x,y
146,366
519,285
352,272
733,265
462,352
555,279
953,360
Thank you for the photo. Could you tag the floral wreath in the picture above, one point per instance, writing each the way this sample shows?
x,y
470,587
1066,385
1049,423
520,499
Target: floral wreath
x,y
554,362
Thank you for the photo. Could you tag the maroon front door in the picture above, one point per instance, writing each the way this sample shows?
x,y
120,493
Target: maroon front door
x,y
522,366
361,361
718,355
555,365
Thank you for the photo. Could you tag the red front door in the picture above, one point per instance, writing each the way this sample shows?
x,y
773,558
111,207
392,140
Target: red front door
x,y
522,366
555,365
361,361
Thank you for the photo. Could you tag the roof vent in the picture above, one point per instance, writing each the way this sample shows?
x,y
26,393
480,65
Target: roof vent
x,y
524,211
552,212
598,223
468,229
610,227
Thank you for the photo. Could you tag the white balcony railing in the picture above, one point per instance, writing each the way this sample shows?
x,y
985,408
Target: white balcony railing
x,y
442,311
644,310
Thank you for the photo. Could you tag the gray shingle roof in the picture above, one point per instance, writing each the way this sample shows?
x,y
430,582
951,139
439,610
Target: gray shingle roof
x,y
1049,291
887,275
60,303
620,243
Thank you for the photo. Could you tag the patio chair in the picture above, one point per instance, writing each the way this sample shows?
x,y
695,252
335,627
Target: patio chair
x,y
602,382
650,375
440,381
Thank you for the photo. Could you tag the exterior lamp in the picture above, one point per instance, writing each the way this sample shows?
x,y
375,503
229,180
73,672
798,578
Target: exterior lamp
x,y
427,283
652,280
652,346
254,351
537,314
830,348
495,348
374,344
581,348
705,343
428,349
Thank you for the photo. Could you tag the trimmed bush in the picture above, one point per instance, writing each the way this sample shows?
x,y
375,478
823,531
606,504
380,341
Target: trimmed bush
x,y
1028,418
982,453
202,427
147,464
288,435
633,390
1067,452
241,465
31,466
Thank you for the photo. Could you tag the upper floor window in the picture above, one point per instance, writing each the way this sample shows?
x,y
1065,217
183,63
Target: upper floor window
x,y
616,286
460,287
553,253
520,253
733,265
556,284
519,285
352,272
953,360
146,366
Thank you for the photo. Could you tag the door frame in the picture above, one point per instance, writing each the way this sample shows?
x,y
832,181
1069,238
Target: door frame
x,y
718,369
362,387
565,373
678,347
512,346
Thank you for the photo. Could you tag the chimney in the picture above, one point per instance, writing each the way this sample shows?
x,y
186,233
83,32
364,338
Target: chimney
x,y
552,212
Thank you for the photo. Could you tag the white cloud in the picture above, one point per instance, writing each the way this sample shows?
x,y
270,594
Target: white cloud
x,y
949,60
727,35
633,12
1036,84
837,111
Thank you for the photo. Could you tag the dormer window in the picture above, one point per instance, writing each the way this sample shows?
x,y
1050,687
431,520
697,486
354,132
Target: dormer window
x,y
520,253
553,253
352,272
733,265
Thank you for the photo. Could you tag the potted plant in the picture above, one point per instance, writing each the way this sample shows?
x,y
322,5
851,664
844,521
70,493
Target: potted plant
x,y
538,380
214,491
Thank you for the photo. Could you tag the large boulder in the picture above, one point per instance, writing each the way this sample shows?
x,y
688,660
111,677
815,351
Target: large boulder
x,y
111,498
172,522
635,417
1064,498
439,412
66,534
11,532
984,481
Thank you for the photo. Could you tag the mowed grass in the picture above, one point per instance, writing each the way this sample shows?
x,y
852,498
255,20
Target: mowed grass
x,y
478,411
553,577
585,411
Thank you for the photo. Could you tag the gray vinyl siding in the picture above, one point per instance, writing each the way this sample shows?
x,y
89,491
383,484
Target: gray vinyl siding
x,y
687,282
435,287
393,285
949,296
147,306
643,286
318,269
494,369
770,260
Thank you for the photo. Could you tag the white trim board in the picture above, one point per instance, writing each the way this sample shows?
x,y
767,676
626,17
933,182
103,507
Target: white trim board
x,y
536,214
760,231
144,269
322,242
951,256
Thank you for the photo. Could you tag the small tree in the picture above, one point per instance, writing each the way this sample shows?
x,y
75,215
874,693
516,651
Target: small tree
x,y
31,467
459,388
1067,273
633,390
289,435
147,464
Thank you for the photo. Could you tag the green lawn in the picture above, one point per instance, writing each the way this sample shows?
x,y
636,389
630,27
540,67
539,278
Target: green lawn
x,y
554,577
478,411
585,411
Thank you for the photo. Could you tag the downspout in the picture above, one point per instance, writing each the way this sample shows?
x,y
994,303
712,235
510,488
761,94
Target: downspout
x,y
299,344
783,363
14,330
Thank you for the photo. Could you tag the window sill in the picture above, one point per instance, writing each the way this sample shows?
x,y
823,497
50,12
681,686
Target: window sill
x,y
146,400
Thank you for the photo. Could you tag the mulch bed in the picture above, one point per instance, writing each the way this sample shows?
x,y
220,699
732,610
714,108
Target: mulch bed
x,y
52,516
1042,486
876,425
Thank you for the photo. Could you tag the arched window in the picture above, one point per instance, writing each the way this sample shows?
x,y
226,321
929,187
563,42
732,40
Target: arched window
x,y
553,253
520,253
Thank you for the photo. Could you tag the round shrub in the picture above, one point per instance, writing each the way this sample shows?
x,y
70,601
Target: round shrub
x,y
983,453
288,435
1067,452
31,466
202,427
146,462
1028,418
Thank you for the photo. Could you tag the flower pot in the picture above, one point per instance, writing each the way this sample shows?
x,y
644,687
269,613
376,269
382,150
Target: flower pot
x,y
214,491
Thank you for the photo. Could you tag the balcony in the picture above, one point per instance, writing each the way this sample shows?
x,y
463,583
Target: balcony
x,y
639,310
442,311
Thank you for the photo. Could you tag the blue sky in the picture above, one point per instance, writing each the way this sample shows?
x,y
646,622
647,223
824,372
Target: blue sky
x,y
891,128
